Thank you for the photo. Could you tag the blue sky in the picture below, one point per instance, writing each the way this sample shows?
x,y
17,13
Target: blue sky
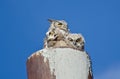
x,y
23,24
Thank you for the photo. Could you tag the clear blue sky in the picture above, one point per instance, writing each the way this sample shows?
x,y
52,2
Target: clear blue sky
x,y
23,24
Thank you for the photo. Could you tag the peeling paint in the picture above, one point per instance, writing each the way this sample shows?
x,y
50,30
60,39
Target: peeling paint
x,y
67,63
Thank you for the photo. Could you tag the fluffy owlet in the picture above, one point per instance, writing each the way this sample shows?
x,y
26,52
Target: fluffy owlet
x,y
75,41
51,38
54,38
52,34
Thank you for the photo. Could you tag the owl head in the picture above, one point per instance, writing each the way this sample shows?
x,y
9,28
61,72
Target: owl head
x,y
76,40
51,35
61,24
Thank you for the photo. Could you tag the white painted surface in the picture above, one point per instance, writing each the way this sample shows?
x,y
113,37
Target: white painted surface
x,y
67,63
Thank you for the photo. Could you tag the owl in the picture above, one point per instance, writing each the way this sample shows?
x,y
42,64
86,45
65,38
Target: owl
x,y
54,38
75,40
51,38
58,31
51,34
59,24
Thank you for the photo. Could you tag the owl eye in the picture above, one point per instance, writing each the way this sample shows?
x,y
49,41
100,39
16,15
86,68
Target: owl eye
x,y
78,40
49,33
59,23
55,35
70,39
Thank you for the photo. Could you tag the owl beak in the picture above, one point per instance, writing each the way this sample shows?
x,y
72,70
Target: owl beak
x,y
50,39
51,20
74,42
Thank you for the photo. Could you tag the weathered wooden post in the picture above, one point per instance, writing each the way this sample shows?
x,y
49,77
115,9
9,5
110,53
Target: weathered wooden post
x,y
58,63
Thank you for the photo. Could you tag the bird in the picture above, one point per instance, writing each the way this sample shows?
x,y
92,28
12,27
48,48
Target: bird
x,y
56,33
54,38
75,40
50,39
51,34
60,24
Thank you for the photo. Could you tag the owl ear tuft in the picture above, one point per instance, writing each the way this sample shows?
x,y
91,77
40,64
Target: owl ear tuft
x,y
51,20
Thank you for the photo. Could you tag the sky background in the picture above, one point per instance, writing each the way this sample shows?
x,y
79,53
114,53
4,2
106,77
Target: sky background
x,y
23,24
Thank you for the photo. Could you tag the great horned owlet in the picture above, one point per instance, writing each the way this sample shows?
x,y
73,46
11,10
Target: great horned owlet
x,y
52,34
54,38
75,40
51,38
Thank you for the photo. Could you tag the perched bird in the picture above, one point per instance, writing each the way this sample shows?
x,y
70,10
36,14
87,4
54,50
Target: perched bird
x,y
51,38
75,40
57,32
52,34
54,38
60,24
